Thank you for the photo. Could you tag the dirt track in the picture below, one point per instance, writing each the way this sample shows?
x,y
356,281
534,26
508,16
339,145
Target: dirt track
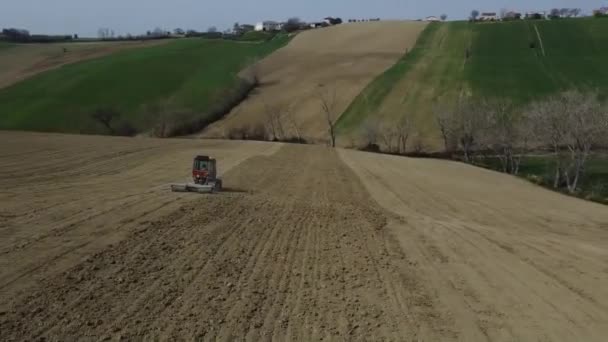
x,y
26,60
343,59
299,248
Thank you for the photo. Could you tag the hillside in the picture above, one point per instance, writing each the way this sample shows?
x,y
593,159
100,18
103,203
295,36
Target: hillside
x,y
306,244
26,60
183,78
505,60
339,60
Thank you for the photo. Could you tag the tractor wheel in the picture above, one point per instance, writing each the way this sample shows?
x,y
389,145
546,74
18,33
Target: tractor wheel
x,y
218,185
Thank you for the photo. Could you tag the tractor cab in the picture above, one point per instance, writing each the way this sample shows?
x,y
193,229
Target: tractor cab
x,y
204,169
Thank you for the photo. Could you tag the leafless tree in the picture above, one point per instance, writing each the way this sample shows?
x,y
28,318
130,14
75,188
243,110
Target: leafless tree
x,y
389,135
444,17
105,33
571,123
105,116
328,98
574,12
403,129
506,133
445,119
468,124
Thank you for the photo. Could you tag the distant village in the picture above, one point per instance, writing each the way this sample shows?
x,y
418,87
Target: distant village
x,y
291,25
509,15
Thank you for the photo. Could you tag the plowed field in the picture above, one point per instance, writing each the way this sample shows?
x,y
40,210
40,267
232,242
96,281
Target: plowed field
x,y
307,243
335,62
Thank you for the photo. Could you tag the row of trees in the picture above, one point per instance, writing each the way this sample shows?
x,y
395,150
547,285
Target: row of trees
x,y
24,36
564,13
569,125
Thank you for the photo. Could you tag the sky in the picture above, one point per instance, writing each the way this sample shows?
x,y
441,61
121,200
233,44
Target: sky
x,y
85,17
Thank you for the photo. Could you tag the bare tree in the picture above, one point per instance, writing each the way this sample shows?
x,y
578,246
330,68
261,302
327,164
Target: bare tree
x,y
572,123
467,126
506,134
389,135
105,33
550,129
212,29
444,17
105,116
575,12
328,99
403,129
445,119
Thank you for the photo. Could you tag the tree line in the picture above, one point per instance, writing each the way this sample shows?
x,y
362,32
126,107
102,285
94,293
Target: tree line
x,y
569,126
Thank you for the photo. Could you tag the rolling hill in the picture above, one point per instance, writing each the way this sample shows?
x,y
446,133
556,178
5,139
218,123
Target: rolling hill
x,y
340,60
492,60
188,75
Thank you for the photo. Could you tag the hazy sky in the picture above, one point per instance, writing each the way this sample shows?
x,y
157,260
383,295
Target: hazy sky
x,y
136,16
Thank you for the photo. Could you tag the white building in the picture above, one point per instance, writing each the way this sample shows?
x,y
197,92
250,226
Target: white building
x,y
543,14
432,18
488,16
269,25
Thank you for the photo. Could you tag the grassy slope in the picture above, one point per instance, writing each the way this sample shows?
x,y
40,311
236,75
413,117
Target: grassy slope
x,y
501,64
192,73
540,169
5,45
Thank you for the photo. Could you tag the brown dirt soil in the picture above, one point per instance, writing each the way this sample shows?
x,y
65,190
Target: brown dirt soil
x,y
295,251
343,58
507,260
26,60
67,196
306,244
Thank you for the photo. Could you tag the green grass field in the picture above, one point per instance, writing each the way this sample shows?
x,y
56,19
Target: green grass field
x,y
489,60
256,36
5,45
540,169
191,73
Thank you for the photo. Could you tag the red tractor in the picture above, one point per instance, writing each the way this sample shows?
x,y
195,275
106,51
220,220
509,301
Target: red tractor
x,y
204,175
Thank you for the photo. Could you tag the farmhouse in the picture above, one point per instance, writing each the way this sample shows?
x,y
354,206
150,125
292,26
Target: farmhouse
x,y
432,18
488,16
269,25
